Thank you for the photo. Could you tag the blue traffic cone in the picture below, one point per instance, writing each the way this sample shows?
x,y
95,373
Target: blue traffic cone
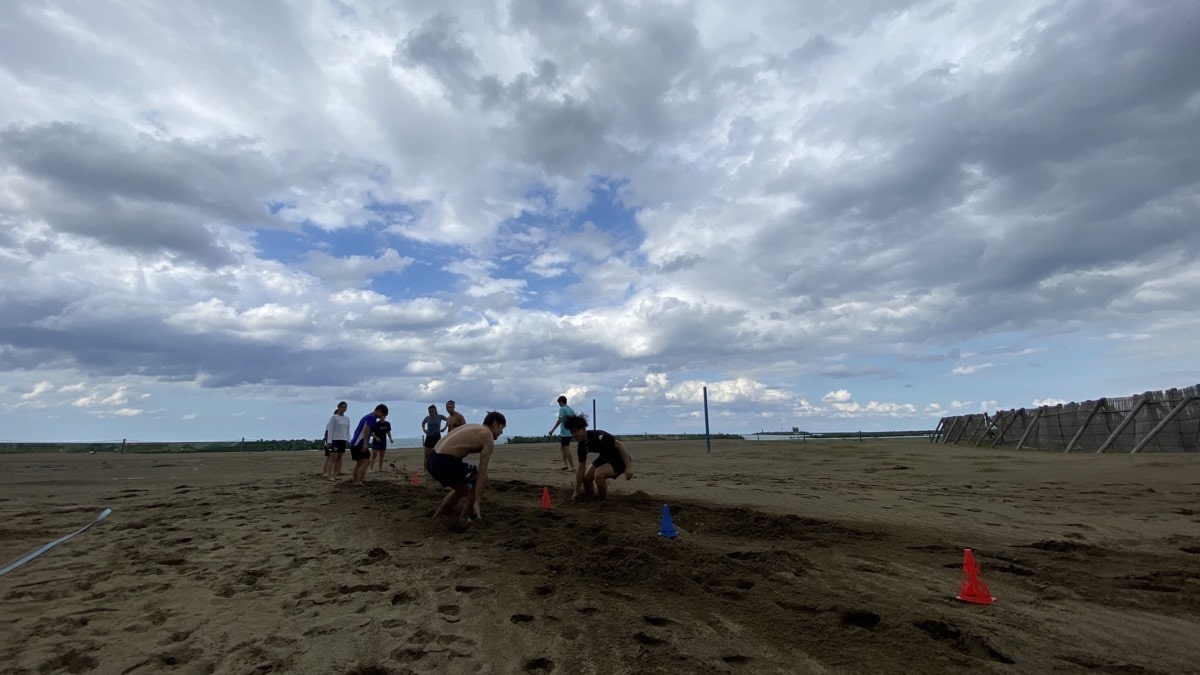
x,y
668,528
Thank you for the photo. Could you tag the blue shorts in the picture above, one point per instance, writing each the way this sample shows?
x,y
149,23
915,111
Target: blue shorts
x,y
450,471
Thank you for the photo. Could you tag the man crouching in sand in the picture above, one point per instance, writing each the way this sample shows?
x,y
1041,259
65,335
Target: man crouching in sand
x,y
447,466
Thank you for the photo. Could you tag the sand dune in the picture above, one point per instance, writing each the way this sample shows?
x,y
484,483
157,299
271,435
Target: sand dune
x,y
811,558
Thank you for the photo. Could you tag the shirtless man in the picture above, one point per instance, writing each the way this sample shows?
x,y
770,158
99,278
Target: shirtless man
x,y
613,460
446,464
454,419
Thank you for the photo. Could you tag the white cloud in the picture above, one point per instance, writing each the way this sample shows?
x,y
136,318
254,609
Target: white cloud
x,y
627,203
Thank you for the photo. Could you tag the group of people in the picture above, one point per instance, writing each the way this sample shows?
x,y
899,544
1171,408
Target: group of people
x,y
372,435
369,443
445,456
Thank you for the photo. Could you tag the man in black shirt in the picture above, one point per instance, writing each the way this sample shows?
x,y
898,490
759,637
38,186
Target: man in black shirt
x,y
613,458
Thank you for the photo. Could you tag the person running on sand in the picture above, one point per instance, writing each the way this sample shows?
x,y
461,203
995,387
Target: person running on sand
x,y
337,435
446,464
564,411
360,445
380,437
613,458
431,430
454,419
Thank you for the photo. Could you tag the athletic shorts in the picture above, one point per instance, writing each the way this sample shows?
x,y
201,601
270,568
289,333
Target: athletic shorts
x,y
432,439
614,461
450,471
336,447
358,452
379,445
565,441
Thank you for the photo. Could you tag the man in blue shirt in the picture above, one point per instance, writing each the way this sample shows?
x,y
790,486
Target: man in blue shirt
x,y
564,411
360,445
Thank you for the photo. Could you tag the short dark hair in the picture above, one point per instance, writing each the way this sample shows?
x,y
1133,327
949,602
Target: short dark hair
x,y
381,408
562,400
575,422
493,417
450,402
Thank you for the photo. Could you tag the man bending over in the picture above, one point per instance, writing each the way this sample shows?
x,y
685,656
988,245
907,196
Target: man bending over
x,y
448,467
613,458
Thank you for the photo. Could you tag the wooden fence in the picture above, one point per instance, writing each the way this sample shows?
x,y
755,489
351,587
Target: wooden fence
x,y
1156,421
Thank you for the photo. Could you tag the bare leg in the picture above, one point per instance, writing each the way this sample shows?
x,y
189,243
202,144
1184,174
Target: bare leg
x,y
337,465
451,499
380,454
360,471
568,464
425,464
602,474
587,480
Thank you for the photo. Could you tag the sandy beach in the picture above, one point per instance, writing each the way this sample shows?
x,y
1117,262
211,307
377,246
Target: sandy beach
x,y
792,558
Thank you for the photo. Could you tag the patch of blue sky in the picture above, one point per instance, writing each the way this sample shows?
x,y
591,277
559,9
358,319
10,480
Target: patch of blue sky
x,y
286,246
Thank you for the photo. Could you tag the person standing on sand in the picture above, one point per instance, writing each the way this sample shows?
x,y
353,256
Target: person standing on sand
x,y
337,435
431,430
360,445
613,461
564,411
454,419
446,465
380,437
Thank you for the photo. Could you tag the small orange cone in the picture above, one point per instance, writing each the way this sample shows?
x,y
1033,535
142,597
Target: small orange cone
x,y
973,589
545,498
416,478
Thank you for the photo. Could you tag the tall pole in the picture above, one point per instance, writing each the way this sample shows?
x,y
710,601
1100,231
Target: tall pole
x,y
707,437
593,413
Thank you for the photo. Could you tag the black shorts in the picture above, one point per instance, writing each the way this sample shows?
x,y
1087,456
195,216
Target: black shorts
x,y
379,445
615,462
338,447
432,439
450,471
565,441
359,452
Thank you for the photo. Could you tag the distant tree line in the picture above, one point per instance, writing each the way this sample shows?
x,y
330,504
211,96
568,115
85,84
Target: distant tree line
x,y
516,440
136,448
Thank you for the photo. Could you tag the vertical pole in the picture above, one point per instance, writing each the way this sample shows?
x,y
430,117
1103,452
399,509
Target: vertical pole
x,y
122,446
707,437
595,425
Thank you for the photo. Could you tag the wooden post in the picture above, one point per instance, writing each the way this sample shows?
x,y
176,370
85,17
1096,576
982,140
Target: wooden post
x,y
953,425
1079,434
1033,423
1159,427
987,424
937,431
1005,425
1112,438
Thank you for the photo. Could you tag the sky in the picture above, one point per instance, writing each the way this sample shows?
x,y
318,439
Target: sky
x,y
217,219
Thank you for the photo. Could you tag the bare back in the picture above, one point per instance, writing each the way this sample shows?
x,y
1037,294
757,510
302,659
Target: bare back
x,y
467,439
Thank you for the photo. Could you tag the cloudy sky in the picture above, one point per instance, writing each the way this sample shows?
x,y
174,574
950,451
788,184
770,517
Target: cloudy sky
x,y
217,219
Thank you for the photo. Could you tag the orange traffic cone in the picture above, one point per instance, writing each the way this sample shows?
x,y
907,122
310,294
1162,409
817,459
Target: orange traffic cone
x,y
545,498
416,478
973,589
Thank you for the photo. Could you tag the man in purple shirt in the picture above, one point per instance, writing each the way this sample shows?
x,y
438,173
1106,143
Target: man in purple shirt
x,y
360,445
